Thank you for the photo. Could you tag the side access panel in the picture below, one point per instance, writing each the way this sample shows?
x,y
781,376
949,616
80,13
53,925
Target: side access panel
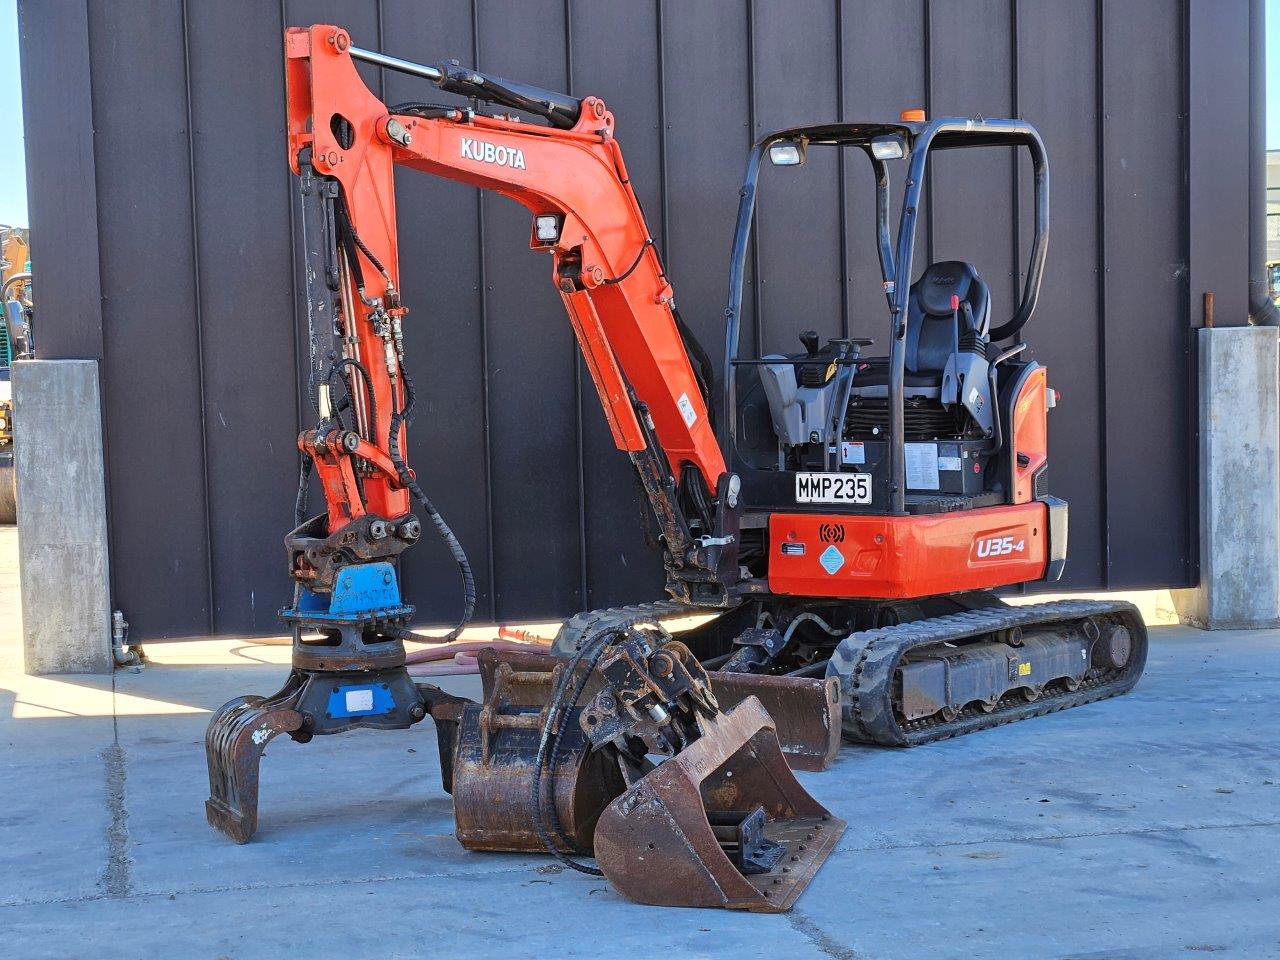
x,y
883,557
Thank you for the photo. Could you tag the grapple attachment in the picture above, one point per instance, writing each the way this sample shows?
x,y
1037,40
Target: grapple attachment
x,y
351,674
723,823
312,703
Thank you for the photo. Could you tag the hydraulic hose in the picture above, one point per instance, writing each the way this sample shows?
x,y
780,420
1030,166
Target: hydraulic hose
x,y
304,483
351,242
439,649
556,711
458,659
336,368
811,618
446,534
420,108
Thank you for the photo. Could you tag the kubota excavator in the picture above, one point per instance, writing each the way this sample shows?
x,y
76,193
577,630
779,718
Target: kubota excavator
x,y
622,751
844,527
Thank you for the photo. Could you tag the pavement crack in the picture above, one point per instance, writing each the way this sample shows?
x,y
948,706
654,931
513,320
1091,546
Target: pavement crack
x,y
828,945
454,876
1081,835
117,876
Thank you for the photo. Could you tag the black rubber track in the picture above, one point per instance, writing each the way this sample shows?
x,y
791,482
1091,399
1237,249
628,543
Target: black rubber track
x,y
867,661
574,631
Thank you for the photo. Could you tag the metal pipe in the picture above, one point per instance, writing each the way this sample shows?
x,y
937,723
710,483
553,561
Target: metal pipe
x,y
812,618
121,651
901,292
884,242
733,310
395,63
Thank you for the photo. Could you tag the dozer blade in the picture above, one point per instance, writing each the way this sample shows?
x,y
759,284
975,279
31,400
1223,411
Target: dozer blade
x,y
723,823
234,741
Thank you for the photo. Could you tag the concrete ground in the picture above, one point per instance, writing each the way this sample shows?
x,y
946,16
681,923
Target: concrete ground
x,y
1147,826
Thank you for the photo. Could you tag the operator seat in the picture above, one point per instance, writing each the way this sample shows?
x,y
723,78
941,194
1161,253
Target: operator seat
x,y
932,332
946,362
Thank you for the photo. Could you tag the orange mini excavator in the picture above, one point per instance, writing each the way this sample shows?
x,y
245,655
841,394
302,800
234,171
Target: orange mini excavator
x,y
623,751
843,528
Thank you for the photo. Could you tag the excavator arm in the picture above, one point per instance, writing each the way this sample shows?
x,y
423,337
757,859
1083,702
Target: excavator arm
x,y
344,144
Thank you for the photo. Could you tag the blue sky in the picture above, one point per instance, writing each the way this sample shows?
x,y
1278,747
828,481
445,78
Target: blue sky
x,y
13,191
13,196
1273,74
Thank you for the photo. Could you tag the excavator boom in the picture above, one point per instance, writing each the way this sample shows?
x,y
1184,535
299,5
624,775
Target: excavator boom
x,y
572,178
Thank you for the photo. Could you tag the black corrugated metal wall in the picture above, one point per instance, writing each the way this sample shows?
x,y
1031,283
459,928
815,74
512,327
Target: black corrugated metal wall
x,y
164,242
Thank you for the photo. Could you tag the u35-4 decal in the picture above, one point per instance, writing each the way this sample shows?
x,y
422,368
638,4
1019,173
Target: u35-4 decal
x,y
992,548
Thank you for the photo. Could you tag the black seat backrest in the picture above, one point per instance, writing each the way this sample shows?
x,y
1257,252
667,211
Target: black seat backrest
x,y
931,334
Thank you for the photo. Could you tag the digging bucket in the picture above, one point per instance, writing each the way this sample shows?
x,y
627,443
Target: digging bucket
x,y
723,823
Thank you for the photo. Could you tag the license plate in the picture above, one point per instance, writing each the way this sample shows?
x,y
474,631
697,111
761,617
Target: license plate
x,y
833,488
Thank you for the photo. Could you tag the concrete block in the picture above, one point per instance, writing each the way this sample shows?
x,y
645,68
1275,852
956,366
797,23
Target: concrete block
x,y
62,517
1239,481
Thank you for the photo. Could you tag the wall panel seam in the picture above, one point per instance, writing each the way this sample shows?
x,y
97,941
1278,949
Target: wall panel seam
x,y
584,593
1190,432
842,173
102,333
485,391
198,308
927,24
1100,106
751,139
293,251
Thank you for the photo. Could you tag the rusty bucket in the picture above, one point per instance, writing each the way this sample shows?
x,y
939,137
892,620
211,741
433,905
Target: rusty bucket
x,y
723,823
493,765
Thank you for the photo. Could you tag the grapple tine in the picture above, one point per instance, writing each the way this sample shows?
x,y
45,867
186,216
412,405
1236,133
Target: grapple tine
x,y
656,843
237,735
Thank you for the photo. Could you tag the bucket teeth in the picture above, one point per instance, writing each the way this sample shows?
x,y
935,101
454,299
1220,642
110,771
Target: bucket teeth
x,y
237,735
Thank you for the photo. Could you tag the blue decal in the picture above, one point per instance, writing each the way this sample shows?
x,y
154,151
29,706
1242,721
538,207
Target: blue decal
x,y
831,559
364,586
361,700
361,591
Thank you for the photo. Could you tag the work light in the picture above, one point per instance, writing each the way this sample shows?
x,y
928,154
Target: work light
x,y
887,148
547,228
786,153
